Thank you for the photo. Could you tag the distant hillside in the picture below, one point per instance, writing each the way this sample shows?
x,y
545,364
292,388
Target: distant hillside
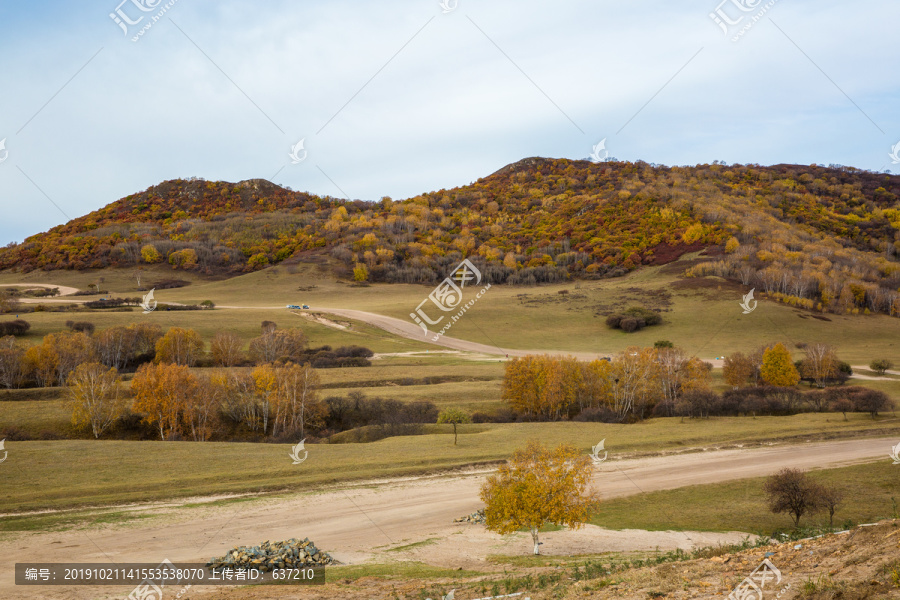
x,y
818,237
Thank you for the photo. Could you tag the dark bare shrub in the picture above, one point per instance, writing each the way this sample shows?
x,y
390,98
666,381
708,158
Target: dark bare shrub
x,y
792,491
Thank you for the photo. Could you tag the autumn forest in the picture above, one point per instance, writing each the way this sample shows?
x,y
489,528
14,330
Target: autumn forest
x,y
821,238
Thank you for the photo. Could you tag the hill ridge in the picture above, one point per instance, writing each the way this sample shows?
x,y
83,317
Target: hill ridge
x,y
825,238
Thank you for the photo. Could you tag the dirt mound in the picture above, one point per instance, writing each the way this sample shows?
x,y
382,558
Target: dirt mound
x,y
860,564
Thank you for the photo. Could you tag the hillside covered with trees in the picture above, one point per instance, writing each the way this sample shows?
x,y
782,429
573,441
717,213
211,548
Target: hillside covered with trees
x,y
824,238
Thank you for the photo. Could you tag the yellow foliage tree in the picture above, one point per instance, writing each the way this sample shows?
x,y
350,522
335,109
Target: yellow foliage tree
x,y
162,392
737,369
150,254
179,346
40,363
265,381
539,486
778,368
360,272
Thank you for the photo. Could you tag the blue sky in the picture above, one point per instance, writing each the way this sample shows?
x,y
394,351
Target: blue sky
x,y
398,97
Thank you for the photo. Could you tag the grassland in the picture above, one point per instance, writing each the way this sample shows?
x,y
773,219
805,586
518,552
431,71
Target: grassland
x,y
871,492
700,315
54,474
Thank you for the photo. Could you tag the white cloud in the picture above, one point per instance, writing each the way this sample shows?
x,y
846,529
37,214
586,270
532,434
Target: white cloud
x,y
449,107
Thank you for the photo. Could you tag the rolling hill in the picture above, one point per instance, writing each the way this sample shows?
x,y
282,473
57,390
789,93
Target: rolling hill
x,y
824,238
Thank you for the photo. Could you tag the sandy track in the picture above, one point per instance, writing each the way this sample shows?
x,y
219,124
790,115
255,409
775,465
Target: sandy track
x,y
63,291
362,523
410,330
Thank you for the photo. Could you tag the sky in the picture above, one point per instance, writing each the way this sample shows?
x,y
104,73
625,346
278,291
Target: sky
x,y
400,97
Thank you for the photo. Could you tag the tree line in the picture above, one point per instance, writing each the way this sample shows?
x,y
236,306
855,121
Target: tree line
x,y
664,381
627,387
126,347
269,400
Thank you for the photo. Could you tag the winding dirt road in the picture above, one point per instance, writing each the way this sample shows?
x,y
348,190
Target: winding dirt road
x,y
63,290
368,521
410,330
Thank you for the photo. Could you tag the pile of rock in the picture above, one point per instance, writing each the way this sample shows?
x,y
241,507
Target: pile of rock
x,y
475,517
267,556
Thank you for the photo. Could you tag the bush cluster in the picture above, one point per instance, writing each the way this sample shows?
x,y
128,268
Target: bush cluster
x,y
771,401
343,356
372,419
633,319
17,327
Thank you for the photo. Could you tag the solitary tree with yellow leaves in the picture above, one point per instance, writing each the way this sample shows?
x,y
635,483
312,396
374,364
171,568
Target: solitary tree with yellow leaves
x,y
539,486
778,368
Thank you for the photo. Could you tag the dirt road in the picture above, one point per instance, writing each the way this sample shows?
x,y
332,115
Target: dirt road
x,y
366,522
63,290
410,330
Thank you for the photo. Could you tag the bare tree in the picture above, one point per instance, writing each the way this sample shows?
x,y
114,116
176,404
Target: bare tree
x,y
95,397
820,363
226,349
831,498
791,491
12,372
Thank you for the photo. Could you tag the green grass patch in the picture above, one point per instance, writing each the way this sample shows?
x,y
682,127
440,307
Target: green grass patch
x,y
740,505
71,473
68,520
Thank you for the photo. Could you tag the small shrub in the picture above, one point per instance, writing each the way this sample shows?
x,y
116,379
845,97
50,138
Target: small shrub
x,y
630,324
83,326
600,414
881,365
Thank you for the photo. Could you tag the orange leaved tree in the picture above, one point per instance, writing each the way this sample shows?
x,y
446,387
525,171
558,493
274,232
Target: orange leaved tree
x,y
539,486
162,392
